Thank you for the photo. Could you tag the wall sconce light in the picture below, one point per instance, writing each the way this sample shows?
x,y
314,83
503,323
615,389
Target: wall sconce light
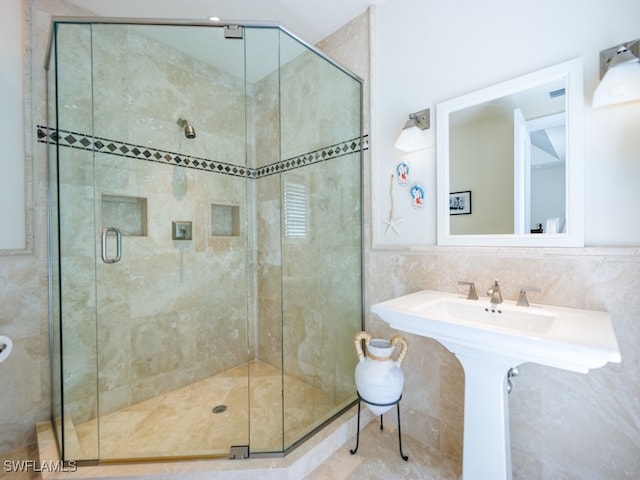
x,y
619,74
412,138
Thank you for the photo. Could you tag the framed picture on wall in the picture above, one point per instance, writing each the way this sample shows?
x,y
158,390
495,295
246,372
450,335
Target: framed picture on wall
x,y
460,203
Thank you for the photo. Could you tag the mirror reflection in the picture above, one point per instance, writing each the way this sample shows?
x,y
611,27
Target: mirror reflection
x,y
510,153
504,173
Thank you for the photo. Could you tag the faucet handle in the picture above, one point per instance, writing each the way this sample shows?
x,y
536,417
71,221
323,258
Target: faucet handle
x,y
522,299
495,293
473,294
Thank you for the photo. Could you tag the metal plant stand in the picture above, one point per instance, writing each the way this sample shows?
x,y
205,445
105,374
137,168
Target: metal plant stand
x,y
397,404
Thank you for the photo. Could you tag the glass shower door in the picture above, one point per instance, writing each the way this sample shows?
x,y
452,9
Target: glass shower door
x,y
321,237
154,323
172,327
172,322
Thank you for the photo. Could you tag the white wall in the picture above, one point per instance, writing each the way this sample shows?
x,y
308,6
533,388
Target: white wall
x,y
12,163
429,51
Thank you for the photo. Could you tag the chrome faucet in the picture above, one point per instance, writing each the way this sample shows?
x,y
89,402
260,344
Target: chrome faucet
x,y
494,293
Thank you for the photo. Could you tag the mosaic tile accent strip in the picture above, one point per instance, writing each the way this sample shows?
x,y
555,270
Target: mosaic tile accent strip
x,y
327,153
139,152
103,145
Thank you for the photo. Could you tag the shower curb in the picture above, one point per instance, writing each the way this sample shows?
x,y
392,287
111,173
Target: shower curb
x,y
294,466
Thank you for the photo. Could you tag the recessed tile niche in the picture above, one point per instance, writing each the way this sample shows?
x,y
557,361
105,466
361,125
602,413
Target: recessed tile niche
x,y
128,214
225,220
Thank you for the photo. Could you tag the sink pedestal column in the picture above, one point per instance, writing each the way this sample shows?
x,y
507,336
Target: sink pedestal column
x,y
486,449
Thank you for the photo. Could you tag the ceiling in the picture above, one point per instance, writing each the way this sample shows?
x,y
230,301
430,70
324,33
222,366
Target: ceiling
x,y
311,20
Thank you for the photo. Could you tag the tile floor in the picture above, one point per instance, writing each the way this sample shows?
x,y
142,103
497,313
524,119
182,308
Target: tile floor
x,y
378,458
181,423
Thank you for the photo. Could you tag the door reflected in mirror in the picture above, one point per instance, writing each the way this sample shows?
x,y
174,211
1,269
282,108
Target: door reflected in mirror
x,y
515,147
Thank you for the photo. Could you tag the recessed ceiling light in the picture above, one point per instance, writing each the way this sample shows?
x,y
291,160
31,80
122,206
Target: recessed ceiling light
x,y
214,19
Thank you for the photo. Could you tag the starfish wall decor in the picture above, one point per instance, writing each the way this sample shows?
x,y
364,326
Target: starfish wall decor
x,y
392,223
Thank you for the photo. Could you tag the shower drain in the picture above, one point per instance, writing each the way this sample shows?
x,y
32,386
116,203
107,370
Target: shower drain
x,y
219,409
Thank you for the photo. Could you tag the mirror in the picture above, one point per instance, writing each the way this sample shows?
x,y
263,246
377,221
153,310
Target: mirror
x,y
509,162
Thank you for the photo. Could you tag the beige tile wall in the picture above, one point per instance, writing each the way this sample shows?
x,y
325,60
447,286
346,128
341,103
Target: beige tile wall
x,y
319,311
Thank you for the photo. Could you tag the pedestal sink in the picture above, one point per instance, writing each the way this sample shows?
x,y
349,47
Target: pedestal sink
x,y
489,340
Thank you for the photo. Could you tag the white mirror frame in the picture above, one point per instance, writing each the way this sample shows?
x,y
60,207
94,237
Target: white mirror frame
x,y
572,72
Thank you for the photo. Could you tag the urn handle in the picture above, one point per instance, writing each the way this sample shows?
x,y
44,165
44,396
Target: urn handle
x,y
403,351
357,340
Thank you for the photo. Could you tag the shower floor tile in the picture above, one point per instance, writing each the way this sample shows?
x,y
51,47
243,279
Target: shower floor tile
x,y
181,423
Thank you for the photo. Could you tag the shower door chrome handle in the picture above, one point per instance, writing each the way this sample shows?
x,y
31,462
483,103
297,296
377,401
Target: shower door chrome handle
x,y
118,256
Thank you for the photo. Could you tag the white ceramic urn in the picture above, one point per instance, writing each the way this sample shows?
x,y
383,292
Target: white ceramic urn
x,y
379,378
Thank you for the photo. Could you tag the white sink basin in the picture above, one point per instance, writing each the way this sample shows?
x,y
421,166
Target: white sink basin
x,y
567,338
489,340
522,321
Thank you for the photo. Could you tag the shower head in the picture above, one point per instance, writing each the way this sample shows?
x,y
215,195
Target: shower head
x,y
189,131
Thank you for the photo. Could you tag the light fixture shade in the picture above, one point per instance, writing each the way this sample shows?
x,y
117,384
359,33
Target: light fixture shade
x,y
411,139
621,81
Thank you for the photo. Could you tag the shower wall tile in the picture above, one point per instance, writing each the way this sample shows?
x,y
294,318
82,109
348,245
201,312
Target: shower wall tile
x,y
142,86
318,277
77,274
269,342
165,317
314,348
299,96
265,124
161,343
74,77
180,313
334,103
268,268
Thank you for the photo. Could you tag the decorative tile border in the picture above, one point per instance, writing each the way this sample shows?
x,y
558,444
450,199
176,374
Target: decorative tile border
x,y
327,153
82,141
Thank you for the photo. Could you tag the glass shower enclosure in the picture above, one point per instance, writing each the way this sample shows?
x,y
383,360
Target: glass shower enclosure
x,y
205,238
